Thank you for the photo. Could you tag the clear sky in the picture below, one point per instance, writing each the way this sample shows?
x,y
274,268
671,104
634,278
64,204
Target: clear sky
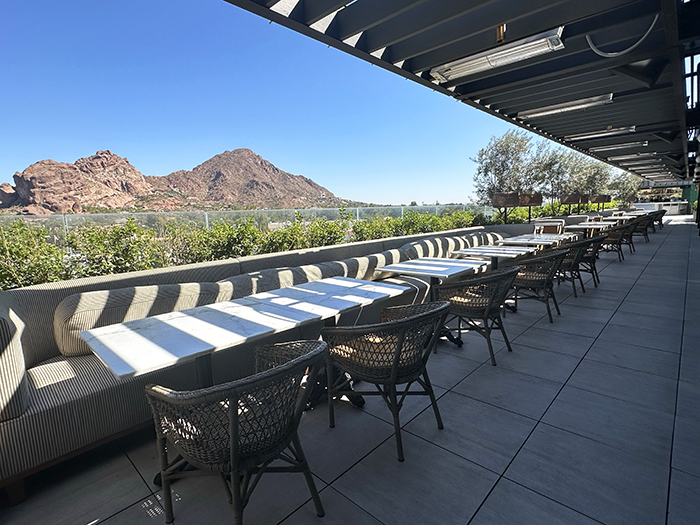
x,y
169,84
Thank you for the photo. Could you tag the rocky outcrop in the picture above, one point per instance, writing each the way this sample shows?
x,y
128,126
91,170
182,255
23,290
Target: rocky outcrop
x,y
8,195
238,178
104,180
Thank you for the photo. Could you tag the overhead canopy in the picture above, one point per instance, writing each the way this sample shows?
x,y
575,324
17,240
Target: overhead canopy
x,y
604,77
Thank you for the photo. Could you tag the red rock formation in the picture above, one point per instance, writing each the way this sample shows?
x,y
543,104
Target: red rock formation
x,y
103,180
239,178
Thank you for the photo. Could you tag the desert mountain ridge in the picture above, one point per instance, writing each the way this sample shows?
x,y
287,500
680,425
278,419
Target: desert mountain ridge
x,y
237,179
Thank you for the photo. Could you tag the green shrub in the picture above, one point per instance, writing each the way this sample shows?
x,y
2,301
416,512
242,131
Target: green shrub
x,y
26,257
104,250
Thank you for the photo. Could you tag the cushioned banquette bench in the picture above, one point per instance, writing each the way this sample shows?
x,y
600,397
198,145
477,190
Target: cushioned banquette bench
x,y
58,400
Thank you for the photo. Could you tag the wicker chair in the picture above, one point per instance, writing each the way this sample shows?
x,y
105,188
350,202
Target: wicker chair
x,y
642,226
588,261
570,268
613,241
659,219
536,279
237,429
477,302
390,353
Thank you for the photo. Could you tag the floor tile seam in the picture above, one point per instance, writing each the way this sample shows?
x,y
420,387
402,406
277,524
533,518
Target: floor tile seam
x,y
530,345
678,384
634,369
354,464
696,476
452,452
348,499
608,445
619,399
552,499
497,406
138,472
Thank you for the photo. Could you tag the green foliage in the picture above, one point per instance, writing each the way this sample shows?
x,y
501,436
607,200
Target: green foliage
x,y
512,162
695,206
100,250
26,257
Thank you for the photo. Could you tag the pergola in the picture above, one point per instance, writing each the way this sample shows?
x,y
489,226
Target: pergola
x,y
612,79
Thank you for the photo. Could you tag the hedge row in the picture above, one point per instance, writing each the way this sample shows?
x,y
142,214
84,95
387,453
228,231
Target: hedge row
x,y
29,255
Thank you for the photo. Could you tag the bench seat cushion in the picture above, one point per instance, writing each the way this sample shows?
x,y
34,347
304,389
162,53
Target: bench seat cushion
x,y
76,401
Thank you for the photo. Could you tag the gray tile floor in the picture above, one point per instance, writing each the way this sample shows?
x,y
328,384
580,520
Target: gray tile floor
x,y
592,419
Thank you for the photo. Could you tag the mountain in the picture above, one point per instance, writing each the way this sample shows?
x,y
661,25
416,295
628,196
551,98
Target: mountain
x,y
242,178
105,181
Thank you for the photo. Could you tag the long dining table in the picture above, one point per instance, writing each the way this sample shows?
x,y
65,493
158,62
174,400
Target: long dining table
x,y
137,347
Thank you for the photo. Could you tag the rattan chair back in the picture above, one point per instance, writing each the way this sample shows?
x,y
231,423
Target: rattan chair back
x,y
394,350
479,297
243,422
539,272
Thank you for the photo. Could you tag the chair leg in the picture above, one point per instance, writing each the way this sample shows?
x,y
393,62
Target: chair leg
x,y
394,406
329,383
556,303
502,328
236,503
487,335
433,401
549,310
165,480
573,283
580,280
299,452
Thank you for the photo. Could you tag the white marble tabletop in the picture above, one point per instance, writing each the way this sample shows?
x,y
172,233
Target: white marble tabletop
x,y
541,239
590,225
137,347
507,252
329,297
437,267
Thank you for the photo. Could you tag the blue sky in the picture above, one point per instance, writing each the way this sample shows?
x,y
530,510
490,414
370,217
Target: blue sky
x,y
170,84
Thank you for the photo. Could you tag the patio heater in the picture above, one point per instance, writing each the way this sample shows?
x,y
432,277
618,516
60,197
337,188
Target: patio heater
x,y
505,200
600,199
530,200
571,198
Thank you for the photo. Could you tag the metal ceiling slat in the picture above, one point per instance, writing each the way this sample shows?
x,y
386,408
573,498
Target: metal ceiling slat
x,y
418,20
597,81
576,91
621,99
364,14
311,11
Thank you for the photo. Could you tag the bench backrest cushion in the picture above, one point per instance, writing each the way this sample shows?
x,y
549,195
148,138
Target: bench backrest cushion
x,y
87,310
14,395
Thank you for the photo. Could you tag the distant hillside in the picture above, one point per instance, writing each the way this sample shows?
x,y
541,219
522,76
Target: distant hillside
x,y
105,181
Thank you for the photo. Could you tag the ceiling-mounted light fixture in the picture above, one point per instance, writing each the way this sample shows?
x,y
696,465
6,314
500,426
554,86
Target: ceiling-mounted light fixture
x,y
632,156
624,145
607,132
500,56
573,105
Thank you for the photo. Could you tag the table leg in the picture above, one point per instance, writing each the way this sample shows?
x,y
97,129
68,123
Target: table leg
x,y
445,331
